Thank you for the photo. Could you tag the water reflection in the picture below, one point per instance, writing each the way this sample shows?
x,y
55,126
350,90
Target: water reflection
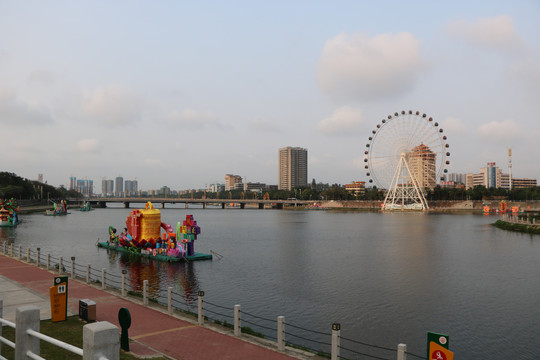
x,y
180,276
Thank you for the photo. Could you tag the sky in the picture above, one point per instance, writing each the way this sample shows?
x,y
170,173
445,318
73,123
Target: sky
x,y
180,93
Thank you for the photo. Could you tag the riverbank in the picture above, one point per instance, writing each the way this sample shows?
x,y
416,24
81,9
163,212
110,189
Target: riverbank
x,y
529,229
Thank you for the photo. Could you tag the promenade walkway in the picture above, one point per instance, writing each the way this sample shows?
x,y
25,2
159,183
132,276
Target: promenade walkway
x,y
153,331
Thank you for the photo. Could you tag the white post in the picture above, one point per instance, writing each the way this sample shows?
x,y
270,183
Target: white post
x,y
101,341
169,300
103,278
200,308
26,317
88,273
124,272
60,265
402,352
73,267
48,261
145,292
336,330
281,333
237,321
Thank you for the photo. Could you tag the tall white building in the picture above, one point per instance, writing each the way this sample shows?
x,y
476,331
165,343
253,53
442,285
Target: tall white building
x,y
293,168
422,163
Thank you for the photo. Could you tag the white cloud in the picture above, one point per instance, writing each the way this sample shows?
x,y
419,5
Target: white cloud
x,y
497,33
454,126
194,119
495,130
344,121
41,77
15,111
360,66
261,126
88,145
114,105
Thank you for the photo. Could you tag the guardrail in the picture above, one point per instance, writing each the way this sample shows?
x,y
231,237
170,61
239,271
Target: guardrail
x,y
276,332
100,340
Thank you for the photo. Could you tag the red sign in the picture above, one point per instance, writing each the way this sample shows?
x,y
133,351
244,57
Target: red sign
x,y
437,352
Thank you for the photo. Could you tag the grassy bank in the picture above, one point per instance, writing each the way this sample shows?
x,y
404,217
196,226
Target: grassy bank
x,y
529,229
69,331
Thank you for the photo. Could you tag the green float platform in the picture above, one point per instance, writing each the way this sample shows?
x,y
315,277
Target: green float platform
x,y
195,257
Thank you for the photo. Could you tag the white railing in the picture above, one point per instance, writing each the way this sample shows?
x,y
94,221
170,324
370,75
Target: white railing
x,y
27,337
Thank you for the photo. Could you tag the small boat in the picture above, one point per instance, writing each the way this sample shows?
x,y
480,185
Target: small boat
x,y
86,207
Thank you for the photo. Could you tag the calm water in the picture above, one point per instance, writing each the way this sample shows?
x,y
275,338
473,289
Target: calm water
x,y
387,278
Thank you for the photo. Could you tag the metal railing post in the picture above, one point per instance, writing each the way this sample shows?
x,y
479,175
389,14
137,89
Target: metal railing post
x,y
237,321
26,317
124,272
200,308
101,341
27,255
402,352
38,253
73,267
145,292
88,273
60,266
169,300
19,255
103,278
281,333
48,261
336,332
11,250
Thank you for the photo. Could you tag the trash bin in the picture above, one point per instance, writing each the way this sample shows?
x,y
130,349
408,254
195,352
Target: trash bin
x,y
87,310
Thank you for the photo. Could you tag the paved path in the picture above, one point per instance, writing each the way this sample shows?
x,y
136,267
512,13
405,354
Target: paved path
x,y
154,332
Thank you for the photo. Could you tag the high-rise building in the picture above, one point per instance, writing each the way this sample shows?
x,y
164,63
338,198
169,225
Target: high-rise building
x,y
131,187
107,187
293,168
232,181
119,182
85,187
422,164
72,183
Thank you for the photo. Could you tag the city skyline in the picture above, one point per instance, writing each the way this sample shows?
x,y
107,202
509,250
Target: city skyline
x,y
180,94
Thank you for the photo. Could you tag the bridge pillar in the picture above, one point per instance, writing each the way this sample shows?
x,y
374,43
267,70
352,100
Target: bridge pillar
x,y
223,205
279,205
242,205
187,205
261,205
204,205
163,205
126,205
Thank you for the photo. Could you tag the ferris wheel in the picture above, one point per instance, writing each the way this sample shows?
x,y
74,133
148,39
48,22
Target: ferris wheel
x,y
406,154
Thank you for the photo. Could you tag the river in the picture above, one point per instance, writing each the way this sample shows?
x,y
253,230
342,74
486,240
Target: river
x,y
386,278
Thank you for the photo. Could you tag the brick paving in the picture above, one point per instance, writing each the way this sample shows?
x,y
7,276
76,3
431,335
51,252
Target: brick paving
x,y
152,330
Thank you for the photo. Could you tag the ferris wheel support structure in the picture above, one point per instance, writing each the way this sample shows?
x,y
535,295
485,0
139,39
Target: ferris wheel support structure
x,y
404,192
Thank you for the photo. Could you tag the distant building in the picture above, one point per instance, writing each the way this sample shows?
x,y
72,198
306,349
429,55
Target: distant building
x,y
85,187
422,164
72,183
232,181
356,187
216,187
255,186
119,182
131,187
293,168
456,178
107,187
492,176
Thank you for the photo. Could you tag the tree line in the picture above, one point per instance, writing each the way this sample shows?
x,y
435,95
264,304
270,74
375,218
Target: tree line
x,y
14,186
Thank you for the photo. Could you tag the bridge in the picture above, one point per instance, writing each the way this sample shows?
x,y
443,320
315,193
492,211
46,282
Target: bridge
x,y
223,203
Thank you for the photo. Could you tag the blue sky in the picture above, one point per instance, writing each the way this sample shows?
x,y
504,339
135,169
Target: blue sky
x,y
181,93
